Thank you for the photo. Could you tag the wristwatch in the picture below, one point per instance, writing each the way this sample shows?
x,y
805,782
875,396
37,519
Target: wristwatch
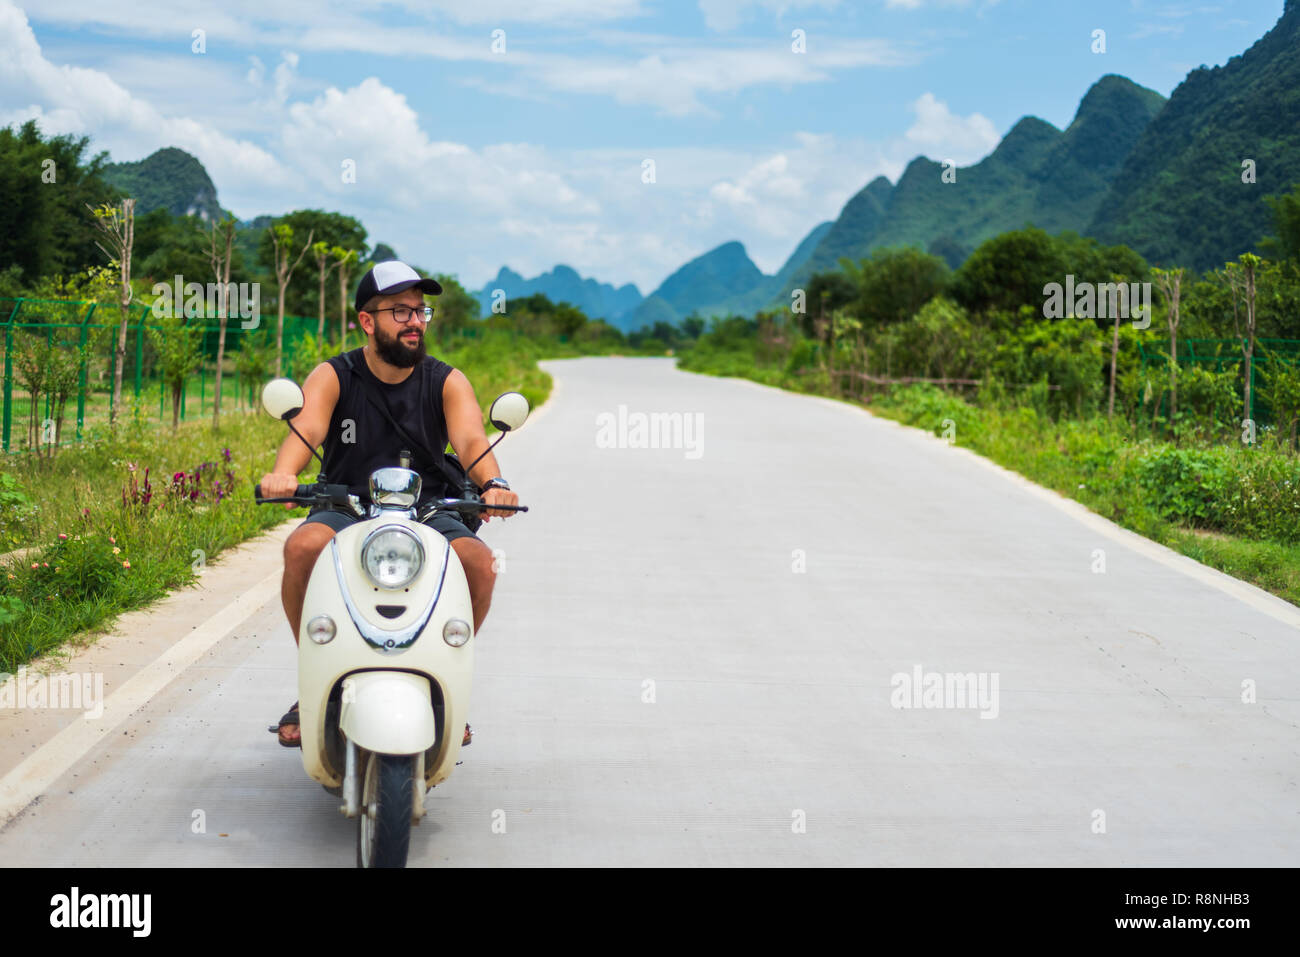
x,y
497,482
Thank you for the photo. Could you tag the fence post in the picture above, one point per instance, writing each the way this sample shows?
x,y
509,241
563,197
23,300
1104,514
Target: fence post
x,y
203,381
84,378
139,353
9,372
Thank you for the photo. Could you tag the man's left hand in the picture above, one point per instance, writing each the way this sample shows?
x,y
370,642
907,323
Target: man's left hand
x,y
498,496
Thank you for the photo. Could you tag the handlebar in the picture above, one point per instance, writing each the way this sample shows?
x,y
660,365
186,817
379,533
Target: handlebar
x,y
307,495
339,496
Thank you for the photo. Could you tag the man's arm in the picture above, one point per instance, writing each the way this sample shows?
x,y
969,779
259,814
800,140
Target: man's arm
x,y
320,394
469,439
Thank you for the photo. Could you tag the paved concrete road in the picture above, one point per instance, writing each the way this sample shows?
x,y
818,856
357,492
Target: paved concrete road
x,y
693,655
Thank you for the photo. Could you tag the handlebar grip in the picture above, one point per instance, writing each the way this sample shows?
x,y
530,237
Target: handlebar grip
x,y
303,491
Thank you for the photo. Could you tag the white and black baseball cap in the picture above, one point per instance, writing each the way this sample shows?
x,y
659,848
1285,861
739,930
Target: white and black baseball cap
x,y
386,279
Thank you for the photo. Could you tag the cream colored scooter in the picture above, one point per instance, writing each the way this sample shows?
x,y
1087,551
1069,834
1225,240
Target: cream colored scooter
x,y
386,651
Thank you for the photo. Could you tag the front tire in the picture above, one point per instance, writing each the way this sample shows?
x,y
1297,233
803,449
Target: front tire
x,y
384,821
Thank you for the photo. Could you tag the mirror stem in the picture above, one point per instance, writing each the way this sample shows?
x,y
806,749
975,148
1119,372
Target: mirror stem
x,y
469,468
306,443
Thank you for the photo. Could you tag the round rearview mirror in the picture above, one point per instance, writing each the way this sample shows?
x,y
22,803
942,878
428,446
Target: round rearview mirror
x,y
508,412
282,398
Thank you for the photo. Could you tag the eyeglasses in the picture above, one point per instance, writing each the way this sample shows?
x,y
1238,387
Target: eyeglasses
x,y
404,314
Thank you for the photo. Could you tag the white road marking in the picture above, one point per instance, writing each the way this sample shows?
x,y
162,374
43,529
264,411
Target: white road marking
x,y
47,763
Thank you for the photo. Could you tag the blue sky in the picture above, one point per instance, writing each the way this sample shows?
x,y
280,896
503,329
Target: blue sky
x,y
468,157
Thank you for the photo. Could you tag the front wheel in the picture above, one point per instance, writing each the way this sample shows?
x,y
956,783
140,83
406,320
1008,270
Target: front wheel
x,y
384,824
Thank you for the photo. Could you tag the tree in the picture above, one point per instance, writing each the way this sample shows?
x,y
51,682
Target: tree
x,y
1282,387
45,187
334,229
1170,284
894,284
220,255
119,230
321,254
179,348
827,291
1241,280
281,240
1286,225
344,260
1009,271
456,309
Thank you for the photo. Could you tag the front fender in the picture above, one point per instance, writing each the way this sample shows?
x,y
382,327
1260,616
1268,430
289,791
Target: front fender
x,y
388,712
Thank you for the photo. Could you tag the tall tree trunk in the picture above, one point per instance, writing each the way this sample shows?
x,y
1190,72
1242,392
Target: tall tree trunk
x,y
1173,370
176,404
1250,335
320,322
279,333
1114,365
119,360
223,315
343,309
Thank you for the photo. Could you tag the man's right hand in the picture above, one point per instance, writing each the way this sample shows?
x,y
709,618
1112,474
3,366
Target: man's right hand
x,y
279,485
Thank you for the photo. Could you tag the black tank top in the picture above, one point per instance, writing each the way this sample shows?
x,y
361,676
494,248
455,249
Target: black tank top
x,y
361,439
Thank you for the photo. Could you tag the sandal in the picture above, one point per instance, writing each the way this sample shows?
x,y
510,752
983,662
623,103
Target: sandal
x,y
290,718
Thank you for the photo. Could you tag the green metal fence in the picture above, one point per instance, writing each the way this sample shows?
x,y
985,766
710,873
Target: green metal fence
x,y
93,328
1223,353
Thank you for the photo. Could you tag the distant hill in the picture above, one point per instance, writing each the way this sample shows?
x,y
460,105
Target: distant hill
x,y
1179,198
722,281
597,300
169,179
1054,179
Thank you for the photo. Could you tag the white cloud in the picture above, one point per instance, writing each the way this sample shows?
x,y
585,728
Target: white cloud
x,y
669,74
673,79
942,134
68,99
276,141
284,75
726,15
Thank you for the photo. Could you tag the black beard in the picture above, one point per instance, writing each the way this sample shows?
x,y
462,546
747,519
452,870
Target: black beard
x,y
395,353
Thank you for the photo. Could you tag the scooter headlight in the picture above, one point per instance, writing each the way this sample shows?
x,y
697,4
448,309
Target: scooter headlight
x,y
392,557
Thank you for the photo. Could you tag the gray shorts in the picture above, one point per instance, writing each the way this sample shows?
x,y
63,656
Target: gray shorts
x,y
448,524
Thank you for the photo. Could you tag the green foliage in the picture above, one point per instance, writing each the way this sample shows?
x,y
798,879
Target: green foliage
x,y
1181,197
1280,388
1209,401
894,284
1010,271
335,229
1065,353
1185,485
1240,491
940,341
308,353
44,226
15,510
75,568
255,362
827,292
1285,243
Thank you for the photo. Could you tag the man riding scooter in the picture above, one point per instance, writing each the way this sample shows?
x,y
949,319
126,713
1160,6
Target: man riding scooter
x,y
368,406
